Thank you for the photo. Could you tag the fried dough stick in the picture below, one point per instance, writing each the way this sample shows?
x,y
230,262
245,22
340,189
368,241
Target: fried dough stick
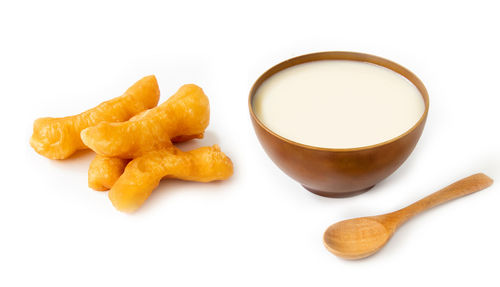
x,y
104,171
59,138
187,112
143,174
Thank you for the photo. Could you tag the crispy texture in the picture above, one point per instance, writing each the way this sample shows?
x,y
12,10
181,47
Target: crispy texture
x,y
104,171
59,138
187,112
143,174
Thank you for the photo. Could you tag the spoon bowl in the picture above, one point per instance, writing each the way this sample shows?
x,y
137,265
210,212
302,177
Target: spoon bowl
x,y
356,238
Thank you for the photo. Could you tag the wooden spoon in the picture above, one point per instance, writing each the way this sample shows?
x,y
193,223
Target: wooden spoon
x,y
361,237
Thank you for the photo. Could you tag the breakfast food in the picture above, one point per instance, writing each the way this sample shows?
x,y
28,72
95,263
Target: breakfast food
x,y
186,113
336,161
104,171
182,117
134,142
341,103
59,138
143,174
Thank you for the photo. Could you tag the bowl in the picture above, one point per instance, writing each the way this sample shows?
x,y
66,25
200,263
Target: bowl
x,y
338,172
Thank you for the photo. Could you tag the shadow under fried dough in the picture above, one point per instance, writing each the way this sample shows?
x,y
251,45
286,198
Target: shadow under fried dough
x,y
170,187
209,139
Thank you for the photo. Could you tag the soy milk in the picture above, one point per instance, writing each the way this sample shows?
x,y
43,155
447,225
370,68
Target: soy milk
x,y
338,104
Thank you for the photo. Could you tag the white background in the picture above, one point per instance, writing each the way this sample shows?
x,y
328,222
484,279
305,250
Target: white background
x,y
259,228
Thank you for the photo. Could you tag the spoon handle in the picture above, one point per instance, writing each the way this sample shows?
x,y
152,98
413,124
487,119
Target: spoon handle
x,y
468,185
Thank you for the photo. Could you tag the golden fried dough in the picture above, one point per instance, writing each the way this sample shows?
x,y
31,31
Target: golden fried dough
x,y
186,113
59,138
134,142
104,172
144,173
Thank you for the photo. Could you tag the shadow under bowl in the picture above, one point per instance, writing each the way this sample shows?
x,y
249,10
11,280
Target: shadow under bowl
x,y
338,172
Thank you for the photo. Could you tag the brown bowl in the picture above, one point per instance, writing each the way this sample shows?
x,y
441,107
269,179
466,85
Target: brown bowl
x,y
338,172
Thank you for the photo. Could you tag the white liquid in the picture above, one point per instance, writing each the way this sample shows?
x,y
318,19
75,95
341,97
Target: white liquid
x,y
338,104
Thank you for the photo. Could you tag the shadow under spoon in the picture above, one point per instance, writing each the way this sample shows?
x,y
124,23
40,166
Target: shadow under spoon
x,y
361,237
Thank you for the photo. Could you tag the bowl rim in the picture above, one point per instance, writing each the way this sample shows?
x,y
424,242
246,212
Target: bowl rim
x,y
356,56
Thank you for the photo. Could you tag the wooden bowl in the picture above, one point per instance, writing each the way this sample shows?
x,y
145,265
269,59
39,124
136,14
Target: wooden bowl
x,y
338,172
